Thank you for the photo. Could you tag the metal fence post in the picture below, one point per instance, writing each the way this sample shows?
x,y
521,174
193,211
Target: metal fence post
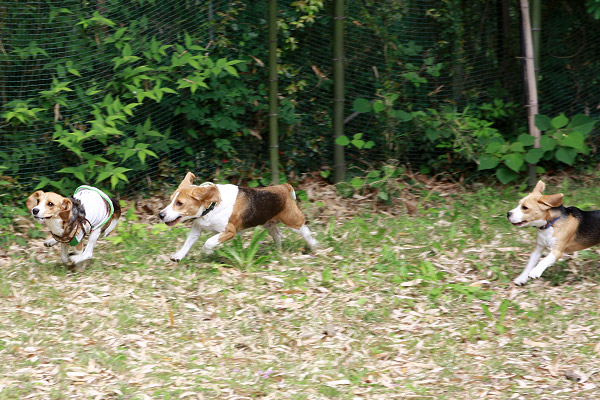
x,y
273,112
339,163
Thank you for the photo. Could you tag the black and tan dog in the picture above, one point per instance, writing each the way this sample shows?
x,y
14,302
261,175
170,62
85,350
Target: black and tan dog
x,y
229,209
89,212
560,229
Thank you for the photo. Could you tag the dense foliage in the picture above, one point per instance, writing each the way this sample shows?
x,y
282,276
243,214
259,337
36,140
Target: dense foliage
x,y
122,93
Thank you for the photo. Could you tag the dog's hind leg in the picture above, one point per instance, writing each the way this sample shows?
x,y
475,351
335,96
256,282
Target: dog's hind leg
x,y
307,236
275,233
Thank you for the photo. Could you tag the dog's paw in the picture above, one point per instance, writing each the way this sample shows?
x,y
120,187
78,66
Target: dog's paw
x,y
536,273
520,280
208,250
77,259
50,242
176,257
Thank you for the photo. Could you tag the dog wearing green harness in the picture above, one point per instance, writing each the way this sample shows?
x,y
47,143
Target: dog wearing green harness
x,y
88,213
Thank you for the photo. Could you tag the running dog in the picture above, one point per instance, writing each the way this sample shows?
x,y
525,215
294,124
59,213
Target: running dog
x,y
89,212
229,209
560,229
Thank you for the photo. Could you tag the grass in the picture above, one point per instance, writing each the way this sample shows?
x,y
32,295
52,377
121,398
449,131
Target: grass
x,y
392,306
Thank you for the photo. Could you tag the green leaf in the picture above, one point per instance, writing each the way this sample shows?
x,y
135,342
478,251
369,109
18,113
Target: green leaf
x,y
378,106
517,147
403,116
566,155
514,161
559,121
533,156
547,143
342,140
527,140
582,123
361,105
432,134
574,139
505,175
487,162
542,122
494,147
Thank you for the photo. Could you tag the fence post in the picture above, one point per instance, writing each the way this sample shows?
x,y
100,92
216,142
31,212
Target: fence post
x,y
273,112
532,106
339,163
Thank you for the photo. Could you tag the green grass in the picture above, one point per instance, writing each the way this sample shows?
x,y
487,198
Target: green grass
x,y
392,306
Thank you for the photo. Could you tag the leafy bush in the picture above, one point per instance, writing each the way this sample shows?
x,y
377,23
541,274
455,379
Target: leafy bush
x,y
562,140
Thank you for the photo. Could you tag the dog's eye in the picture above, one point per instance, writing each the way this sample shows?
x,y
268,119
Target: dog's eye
x,y
50,204
524,207
178,204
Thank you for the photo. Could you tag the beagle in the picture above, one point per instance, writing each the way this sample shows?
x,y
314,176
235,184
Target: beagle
x,y
560,229
229,209
89,212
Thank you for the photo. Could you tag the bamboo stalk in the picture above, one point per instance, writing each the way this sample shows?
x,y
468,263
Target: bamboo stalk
x,y
339,163
532,106
273,111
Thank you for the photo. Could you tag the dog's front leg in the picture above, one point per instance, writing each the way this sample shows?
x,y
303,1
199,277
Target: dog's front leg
x,y
533,260
89,248
64,252
194,234
50,242
545,263
213,241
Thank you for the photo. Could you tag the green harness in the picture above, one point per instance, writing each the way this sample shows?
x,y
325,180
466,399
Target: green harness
x,y
75,241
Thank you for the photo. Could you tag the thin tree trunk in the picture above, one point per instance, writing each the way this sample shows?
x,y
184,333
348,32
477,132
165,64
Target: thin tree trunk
x,y
532,106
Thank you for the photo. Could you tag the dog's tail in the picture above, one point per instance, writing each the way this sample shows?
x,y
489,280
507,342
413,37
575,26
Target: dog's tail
x,y
291,190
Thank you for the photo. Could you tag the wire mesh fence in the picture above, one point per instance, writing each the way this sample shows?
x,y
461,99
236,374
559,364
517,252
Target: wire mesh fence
x,y
419,53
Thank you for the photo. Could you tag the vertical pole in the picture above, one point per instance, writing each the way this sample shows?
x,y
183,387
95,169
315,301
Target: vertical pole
x,y
273,112
532,107
536,33
339,163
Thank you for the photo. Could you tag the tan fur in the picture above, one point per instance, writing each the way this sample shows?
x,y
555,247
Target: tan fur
x,y
290,215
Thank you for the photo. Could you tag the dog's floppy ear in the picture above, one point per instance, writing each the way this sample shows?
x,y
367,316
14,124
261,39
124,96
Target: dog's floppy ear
x,y
539,187
552,200
188,180
207,194
33,200
65,209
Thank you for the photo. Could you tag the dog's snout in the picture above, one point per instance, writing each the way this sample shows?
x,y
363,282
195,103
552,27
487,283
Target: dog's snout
x,y
35,211
161,215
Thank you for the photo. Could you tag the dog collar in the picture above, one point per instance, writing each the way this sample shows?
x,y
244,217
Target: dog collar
x,y
209,209
549,224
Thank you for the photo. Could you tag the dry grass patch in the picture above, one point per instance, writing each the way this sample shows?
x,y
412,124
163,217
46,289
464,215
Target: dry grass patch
x,y
393,306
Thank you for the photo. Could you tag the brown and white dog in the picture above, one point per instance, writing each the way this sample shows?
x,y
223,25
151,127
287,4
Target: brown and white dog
x,y
560,229
89,212
229,209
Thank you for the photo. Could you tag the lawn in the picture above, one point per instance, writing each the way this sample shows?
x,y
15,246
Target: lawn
x,y
394,305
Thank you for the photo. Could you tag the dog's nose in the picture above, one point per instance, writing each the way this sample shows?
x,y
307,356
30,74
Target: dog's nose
x,y
161,215
508,214
35,211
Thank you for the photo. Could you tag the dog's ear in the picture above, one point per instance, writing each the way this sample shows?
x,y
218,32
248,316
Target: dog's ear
x,y
34,199
65,209
552,200
539,187
206,194
188,180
